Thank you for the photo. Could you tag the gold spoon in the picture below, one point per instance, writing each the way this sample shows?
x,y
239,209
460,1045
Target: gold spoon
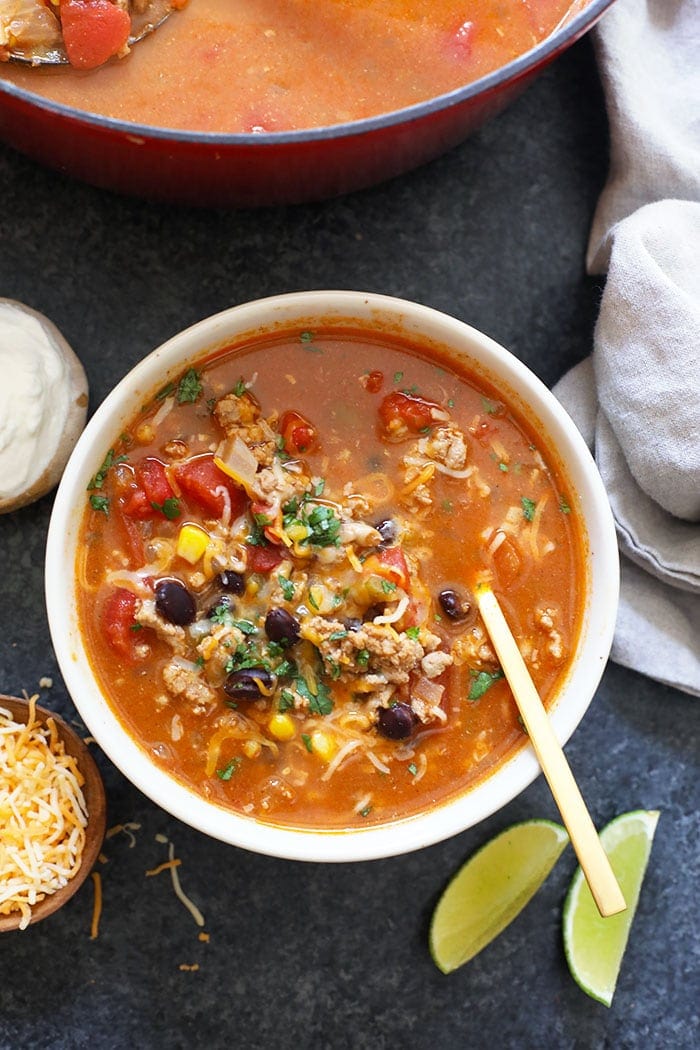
x,y
584,837
145,18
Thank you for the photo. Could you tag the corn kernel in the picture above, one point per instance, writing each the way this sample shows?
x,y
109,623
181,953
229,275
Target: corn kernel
x,y
324,745
297,531
192,543
145,434
282,726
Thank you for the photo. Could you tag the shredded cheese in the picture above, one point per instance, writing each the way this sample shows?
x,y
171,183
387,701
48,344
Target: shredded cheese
x,y
96,905
171,865
43,815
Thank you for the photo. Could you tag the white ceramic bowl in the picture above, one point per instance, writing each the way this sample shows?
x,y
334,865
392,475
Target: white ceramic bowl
x,y
321,309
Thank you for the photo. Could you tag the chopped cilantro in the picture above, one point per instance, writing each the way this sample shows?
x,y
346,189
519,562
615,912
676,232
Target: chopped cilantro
x,y
229,770
307,742
425,430
488,405
307,341
503,466
398,376
281,451
362,657
450,402
165,391
333,668
98,480
286,586
321,703
366,811
319,487
325,527
189,388
136,627
482,682
101,504
412,769
447,505
257,537
199,661
388,586
337,635
240,388
286,700
413,632
286,669
528,506
245,626
564,506
169,507
222,615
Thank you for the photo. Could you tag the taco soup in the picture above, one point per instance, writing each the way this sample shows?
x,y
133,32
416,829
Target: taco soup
x,y
277,567
257,66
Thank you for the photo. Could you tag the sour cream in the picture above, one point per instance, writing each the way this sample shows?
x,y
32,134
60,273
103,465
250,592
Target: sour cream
x,y
37,397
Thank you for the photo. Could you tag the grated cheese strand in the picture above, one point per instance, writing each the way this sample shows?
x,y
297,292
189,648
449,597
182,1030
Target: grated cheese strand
x,y
43,815
96,905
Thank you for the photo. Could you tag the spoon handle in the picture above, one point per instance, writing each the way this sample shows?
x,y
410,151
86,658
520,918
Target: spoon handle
x,y
584,837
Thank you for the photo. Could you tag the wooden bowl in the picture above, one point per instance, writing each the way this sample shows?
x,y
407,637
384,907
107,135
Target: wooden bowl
x,y
93,790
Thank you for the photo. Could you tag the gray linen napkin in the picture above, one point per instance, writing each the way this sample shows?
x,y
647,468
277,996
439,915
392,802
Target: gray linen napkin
x,y
637,399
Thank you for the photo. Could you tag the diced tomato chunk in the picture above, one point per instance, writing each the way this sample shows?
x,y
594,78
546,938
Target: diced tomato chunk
x,y
153,488
299,435
263,559
93,31
372,382
118,619
391,564
413,412
201,482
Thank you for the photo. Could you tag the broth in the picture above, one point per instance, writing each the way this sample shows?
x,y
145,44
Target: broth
x,y
279,65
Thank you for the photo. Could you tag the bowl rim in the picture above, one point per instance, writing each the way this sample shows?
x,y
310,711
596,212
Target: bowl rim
x,y
196,343
518,68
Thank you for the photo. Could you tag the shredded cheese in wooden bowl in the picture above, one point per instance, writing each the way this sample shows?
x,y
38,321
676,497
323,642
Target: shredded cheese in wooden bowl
x,y
52,812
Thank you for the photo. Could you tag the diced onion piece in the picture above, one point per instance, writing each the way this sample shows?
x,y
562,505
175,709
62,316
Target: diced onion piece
x,y
164,410
428,691
234,458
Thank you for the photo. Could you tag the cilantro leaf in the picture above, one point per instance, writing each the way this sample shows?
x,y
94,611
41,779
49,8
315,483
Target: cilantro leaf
x,y
482,683
189,388
529,507
169,507
230,769
101,504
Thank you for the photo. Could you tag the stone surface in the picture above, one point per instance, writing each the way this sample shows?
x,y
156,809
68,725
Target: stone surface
x,y
336,956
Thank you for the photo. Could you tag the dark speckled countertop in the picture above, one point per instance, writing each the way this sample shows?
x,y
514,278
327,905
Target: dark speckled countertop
x,y
336,956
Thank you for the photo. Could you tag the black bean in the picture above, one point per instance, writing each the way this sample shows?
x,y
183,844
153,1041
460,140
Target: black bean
x,y
175,603
374,610
282,627
387,530
351,623
245,683
454,605
231,581
396,722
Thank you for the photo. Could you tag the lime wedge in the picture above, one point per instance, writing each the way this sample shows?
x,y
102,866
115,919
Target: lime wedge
x,y
594,946
491,889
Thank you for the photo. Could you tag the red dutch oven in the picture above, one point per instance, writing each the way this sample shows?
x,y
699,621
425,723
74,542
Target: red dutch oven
x,y
247,170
